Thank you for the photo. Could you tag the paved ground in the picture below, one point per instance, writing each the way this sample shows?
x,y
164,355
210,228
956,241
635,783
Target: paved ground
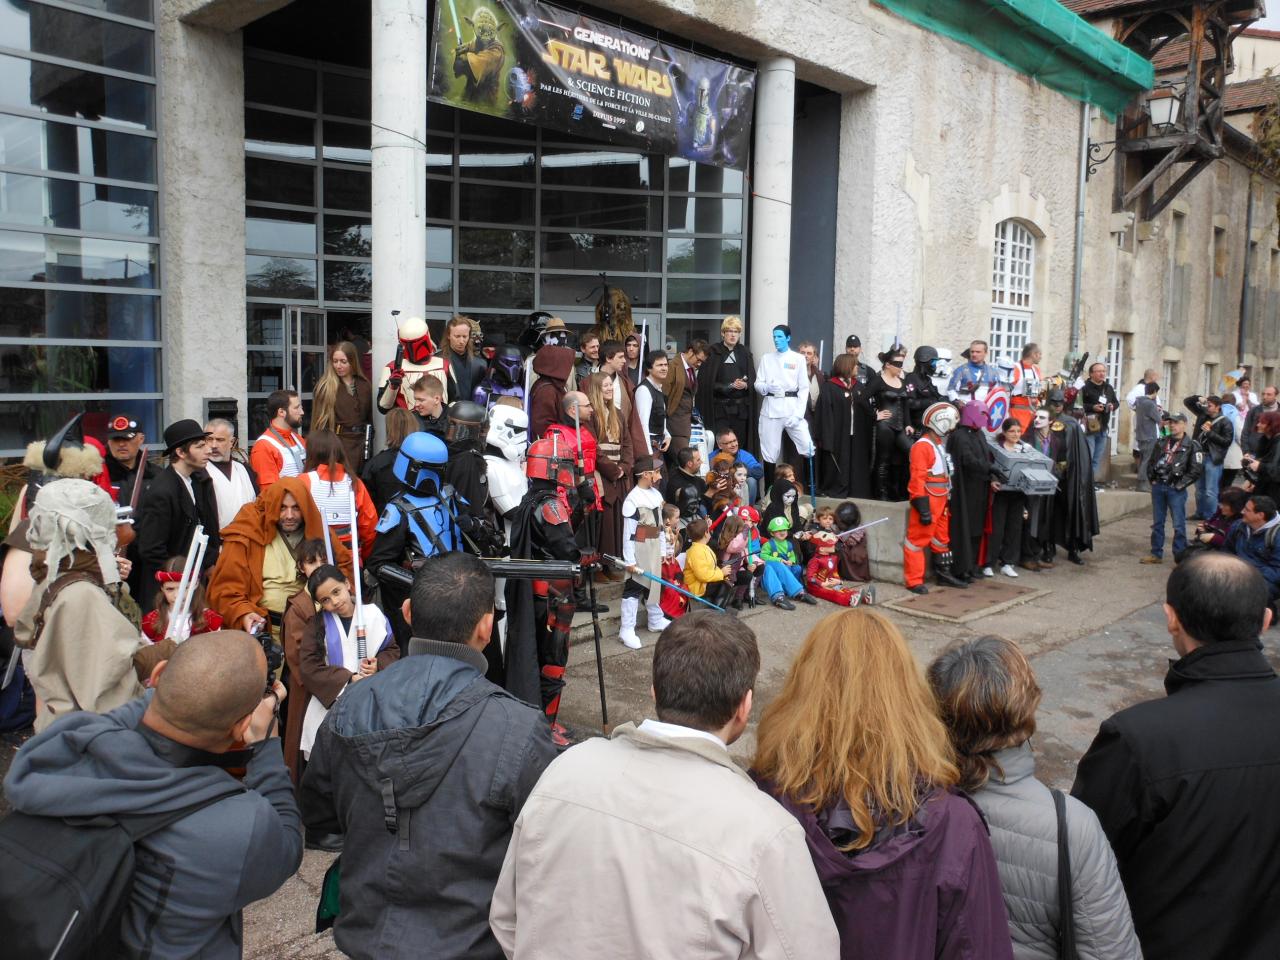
x,y
1096,639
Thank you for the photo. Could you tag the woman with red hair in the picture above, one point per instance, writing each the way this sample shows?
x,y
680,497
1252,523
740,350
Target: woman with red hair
x,y
1264,465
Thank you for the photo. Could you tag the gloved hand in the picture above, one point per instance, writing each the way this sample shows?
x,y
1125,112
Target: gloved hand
x,y
921,507
396,378
586,491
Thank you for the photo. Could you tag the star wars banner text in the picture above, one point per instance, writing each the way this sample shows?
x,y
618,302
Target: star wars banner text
x,y
539,63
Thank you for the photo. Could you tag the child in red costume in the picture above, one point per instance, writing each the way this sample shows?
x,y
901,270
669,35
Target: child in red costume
x,y
156,623
822,575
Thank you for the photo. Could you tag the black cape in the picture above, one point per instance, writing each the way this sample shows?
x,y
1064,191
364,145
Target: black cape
x,y
844,442
1075,509
776,507
516,668
970,486
467,472
707,402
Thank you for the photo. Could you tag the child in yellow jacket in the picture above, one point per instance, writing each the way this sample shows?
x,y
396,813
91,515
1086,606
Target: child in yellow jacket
x,y
702,576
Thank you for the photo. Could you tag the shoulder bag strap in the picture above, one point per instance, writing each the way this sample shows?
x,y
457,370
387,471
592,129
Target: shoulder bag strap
x,y
1066,915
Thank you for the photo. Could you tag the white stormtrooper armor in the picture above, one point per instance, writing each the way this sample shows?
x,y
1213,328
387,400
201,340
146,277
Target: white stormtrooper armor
x,y
506,441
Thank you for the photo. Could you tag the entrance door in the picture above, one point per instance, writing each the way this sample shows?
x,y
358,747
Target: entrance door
x,y
1115,374
305,347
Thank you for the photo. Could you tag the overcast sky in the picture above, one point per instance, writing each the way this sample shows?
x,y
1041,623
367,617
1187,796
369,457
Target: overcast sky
x,y
1272,20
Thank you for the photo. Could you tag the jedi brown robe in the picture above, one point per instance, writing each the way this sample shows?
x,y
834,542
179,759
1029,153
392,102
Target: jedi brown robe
x,y
350,415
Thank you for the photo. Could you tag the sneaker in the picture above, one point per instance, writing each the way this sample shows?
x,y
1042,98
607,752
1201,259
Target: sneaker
x,y
782,603
630,640
868,595
919,588
659,626
1008,571
1151,558
805,598
987,572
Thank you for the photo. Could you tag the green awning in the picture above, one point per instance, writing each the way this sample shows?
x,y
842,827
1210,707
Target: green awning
x,y
1042,39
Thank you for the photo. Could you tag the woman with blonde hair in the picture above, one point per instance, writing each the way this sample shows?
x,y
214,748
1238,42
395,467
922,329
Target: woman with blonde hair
x,y
726,380
343,402
854,749
988,695
614,460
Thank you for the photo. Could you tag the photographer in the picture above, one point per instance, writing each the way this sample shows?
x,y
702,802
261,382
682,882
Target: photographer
x,y
1214,433
177,747
1099,399
1175,466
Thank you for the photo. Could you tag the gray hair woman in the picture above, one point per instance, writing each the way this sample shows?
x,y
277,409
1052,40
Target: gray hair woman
x,y
987,695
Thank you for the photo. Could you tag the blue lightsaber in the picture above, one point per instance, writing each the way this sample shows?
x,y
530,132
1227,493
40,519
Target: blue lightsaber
x,y
666,583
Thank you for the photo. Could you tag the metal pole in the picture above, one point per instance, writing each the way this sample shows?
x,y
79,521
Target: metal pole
x,y
1077,272
1246,292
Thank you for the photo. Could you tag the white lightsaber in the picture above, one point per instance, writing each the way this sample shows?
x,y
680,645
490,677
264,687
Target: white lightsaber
x,y
180,619
362,651
863,527
822,352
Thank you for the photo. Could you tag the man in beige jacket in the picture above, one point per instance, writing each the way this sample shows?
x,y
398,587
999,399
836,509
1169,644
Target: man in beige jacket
x,y
654,843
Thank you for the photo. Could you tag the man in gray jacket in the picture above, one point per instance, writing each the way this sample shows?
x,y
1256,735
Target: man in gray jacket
x,y
424,767
173,748
655,843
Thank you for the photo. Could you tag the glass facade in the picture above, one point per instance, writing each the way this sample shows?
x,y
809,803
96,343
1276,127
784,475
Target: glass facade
x,y
518,218
79,216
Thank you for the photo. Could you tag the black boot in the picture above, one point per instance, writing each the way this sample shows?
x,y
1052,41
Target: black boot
x,y
882,482
1074,557
942,571
582,602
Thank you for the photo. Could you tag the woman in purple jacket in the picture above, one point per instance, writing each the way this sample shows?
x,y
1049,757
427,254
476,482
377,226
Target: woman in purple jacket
x,y
854,749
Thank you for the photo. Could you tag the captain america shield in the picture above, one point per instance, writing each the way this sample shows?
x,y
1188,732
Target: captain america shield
x,y
997,407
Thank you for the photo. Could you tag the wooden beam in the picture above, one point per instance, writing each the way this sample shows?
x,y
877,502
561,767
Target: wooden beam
x,y
1158,205
1167,161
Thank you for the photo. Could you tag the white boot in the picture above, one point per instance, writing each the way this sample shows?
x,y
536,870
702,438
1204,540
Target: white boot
x,y
630,607
657,619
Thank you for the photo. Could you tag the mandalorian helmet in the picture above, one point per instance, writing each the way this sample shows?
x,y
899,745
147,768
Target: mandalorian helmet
x,y
468,424
420,462
548,460
509,431
508,366
416,340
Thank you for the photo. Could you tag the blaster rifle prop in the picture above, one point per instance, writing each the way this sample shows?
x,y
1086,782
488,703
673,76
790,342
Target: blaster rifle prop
x,y
362,647
591,578
179,627
499,567
666,583
848,533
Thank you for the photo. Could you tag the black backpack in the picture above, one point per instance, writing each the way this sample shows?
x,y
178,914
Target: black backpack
x,y
65,883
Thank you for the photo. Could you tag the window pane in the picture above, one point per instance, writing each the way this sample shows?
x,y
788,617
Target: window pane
x,y
346,96
687,215
347,142
481,124
280,277
439,287
704,256
689,295
439,244
276,182
46,259
43,202
601,251
20,420
601,211
605,169
347,189
495,161
279,84
287,230
348,236
564,290
76,36
76,93
36,368
439,199
138,9
478,288
280,134
35,312
348,280
500,248
265,371
62,147
440,155
488,204
265,326
687,176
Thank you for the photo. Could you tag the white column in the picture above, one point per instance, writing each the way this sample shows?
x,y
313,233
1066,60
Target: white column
x,y
771,209
399,112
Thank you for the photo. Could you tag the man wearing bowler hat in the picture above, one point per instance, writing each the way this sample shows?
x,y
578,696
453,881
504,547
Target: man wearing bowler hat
x,y
178,500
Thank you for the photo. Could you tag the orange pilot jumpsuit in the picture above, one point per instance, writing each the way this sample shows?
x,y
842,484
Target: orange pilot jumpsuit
x,y
930,477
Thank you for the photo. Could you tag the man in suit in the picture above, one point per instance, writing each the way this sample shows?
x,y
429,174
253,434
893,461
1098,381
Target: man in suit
x,y
680,389
178,500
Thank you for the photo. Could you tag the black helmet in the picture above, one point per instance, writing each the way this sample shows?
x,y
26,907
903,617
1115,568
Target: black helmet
x,y
468,424
925,355
848,515
531,335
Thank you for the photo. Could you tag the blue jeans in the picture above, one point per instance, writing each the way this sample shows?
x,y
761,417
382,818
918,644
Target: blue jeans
x,y
1165,499
1098,443
1207,489
781,579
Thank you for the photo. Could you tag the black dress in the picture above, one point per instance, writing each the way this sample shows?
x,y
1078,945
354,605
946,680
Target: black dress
x,y
721,405
970,497
890,442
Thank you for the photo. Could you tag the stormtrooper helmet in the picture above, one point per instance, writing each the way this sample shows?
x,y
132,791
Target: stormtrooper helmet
x,y
509,431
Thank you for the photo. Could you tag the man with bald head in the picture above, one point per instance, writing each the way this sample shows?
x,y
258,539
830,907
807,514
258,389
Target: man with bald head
x,y
205,741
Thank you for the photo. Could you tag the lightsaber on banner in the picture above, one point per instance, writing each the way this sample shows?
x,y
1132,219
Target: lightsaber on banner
x,y
863,527
362,651
180,617
666,583
457,29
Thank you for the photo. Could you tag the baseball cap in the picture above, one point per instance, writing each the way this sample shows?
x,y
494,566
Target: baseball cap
x,y
122,428
1170,415
852,341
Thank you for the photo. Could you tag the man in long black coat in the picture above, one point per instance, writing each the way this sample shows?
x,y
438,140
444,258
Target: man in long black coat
x,y
726,396
1075,508
970,488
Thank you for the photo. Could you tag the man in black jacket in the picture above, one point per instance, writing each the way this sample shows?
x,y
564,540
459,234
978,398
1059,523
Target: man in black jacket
x,y
178,500
1176,464
1215,435
424,767
1187,787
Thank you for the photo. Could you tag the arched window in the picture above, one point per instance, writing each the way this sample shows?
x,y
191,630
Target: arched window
x,y
1012,279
